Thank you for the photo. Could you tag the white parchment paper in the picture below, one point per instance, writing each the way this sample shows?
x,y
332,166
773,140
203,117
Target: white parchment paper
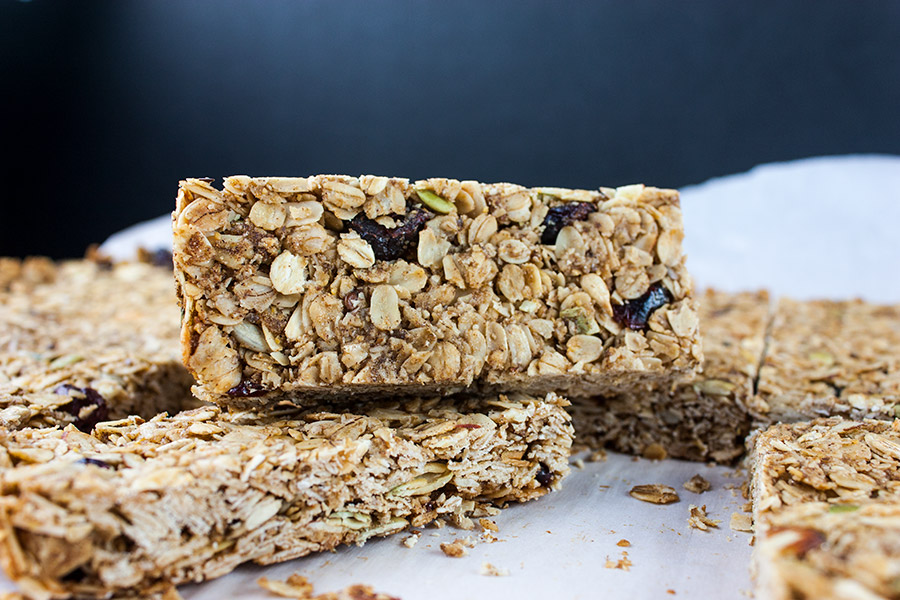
x,y
822,227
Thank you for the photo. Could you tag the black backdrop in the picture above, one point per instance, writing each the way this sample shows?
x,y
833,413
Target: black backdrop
x,y
108,103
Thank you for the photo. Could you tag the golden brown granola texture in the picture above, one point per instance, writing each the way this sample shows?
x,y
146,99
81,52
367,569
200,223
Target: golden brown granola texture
x,y
826,505
703,419
829,358
143,505
82,341
333,285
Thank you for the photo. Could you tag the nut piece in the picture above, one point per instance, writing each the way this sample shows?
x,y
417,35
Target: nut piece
x,y
356,251
655,493
288,273
435,202
514,252
384,307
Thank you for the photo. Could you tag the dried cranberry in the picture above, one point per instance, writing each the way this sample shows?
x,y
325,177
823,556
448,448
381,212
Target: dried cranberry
x,y
96,462
161,258
391,244
544,476
560,216
634,314
247,389
83,398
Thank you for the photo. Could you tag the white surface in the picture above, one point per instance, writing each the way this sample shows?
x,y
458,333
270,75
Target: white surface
x,y
817,227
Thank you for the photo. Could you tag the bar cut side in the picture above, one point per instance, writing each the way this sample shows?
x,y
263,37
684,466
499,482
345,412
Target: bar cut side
x,y
832,358
329,286
826,505
139,506
82,342
705,419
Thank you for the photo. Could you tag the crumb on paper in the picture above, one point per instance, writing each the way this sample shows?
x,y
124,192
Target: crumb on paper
x,y
623,563
297,586
492,571
655,493
670,592
454,549
741,522
698,520
488,525
697,484
623,543
655,452
597,456
411,540
579,463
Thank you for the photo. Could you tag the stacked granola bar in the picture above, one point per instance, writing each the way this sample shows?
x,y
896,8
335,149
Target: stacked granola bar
x,y
332,286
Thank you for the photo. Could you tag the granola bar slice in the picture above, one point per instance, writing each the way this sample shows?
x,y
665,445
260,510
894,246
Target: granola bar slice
x,y
832,358
82,341
826,505
334,285
141,505
703,419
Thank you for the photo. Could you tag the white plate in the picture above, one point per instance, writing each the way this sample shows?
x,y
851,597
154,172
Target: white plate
x,y
816,227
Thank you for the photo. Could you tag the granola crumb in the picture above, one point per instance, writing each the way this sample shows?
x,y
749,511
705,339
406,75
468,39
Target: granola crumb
x,y
454,549
623,563
488,525
623,543
492,571
698,520
697,484
411,540
655,493
655,452
597,456
741,522
579,463
670,592
439,523
296,586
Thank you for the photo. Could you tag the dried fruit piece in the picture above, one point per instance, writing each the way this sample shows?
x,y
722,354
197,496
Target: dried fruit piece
x,y
83,398
96,462
435,202
544,476
560,216
634,314
655,493
247,389
391,244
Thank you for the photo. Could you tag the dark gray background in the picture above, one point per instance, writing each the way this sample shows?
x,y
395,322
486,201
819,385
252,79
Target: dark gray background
x,y
108,104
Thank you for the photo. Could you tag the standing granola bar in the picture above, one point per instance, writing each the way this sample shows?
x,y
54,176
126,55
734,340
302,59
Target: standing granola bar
x,y
706,418
138,506
826,506
82,342
832,358
335,285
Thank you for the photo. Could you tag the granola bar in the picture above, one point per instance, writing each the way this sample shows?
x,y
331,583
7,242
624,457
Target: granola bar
x,y
83,341
826,505
832,358
334,285
703,419
140,505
